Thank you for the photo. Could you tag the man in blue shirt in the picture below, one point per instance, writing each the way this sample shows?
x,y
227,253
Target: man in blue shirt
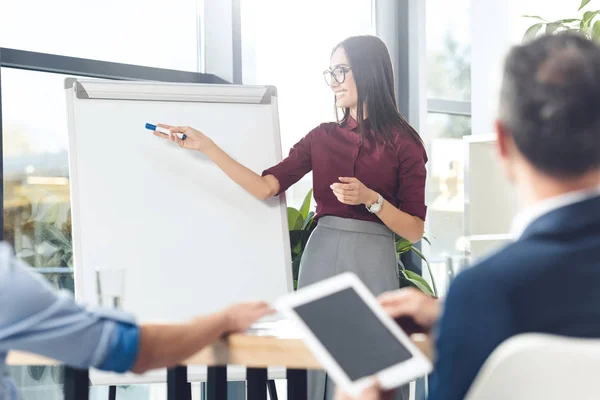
x,y
35,318
548,280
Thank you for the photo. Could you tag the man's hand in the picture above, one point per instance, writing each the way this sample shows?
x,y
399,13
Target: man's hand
x,y
410,302
239,317
373,392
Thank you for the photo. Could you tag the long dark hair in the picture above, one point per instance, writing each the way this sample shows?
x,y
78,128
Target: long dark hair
x,y
374,76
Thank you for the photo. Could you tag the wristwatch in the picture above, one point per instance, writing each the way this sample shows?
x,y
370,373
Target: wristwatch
x,y
375,207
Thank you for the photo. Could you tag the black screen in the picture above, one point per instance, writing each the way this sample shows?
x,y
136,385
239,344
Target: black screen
x,y
352,334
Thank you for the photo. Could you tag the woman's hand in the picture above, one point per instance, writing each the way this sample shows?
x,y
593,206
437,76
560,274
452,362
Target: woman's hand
x,y
195,140
352,191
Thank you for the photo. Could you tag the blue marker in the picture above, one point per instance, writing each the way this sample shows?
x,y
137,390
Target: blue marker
x,y
163,130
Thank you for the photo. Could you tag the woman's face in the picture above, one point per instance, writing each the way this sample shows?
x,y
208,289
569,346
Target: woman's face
x,y
346,95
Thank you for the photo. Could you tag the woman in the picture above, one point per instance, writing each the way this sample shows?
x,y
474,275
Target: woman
x,y
368,174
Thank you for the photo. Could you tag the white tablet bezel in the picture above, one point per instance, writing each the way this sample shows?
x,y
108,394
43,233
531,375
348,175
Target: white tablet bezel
x,y
396,375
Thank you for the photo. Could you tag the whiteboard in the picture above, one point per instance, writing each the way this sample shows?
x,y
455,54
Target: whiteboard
x,y
190,239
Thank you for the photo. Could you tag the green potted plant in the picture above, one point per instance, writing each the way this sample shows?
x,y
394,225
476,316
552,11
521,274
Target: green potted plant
x,y
410,278
301,224
587,24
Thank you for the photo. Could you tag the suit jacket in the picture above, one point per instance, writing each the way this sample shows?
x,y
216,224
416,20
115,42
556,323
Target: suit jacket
x,y
548,281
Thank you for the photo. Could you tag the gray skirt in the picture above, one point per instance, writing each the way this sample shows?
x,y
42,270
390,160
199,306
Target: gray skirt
x,y
348,245
340,245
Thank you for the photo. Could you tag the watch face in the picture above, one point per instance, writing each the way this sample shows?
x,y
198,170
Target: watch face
x,y
376,207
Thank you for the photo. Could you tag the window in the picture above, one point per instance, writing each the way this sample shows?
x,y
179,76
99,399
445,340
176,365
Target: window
x,y
448,50
36,173
37,218
448,120
151,33
288,45
445,188
37,205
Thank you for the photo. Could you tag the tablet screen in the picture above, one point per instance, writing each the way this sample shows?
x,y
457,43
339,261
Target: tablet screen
x,y
353,335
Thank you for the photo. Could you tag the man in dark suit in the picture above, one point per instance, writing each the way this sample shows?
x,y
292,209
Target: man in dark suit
x,y
548,279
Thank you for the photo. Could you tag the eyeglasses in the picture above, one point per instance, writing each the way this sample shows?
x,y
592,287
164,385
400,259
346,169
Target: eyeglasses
x,y
338,73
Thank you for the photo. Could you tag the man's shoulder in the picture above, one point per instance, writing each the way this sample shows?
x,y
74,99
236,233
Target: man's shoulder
x,y
506,261
500,270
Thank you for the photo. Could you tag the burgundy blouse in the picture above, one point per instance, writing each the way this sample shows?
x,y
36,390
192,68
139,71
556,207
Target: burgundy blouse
x,y
332,150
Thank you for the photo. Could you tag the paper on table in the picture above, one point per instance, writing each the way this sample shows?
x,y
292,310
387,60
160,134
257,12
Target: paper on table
x,y
283,328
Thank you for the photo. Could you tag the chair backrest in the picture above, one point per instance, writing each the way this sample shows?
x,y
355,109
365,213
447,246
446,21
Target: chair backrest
x,y
536,366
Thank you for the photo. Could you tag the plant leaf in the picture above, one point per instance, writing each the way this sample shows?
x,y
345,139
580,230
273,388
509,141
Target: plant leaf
x,y
56,236
295,239
419,253
586,21
418,281
568,21
298,249
425,239
551,28
422,256
583,4
596,31
400,263
305,236
308,221
403,282
402,246
296,266
294,219
25,253
535,17
532,32
306,205
54,261
50,215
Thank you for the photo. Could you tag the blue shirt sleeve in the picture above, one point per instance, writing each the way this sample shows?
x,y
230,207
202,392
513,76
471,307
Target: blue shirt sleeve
x,y
37,319
123,349
476,320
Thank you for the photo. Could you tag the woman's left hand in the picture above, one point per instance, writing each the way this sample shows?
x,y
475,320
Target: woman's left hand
x,y
352,191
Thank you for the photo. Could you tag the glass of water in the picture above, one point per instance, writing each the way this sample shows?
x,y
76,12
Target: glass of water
x,y
111,286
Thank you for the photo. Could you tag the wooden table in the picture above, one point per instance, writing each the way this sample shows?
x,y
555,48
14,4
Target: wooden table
x,y
255,350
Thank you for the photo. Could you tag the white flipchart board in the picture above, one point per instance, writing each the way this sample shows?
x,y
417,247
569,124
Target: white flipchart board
x,y
191,240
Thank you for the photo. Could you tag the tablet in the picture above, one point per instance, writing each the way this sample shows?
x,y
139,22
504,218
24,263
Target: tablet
x,y
352,337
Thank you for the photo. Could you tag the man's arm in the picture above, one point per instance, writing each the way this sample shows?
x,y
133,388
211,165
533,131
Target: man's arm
x,y
475,321
167,345
37,319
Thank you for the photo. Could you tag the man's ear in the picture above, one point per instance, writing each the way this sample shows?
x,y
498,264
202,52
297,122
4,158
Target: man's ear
x,y
502,138
505,146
